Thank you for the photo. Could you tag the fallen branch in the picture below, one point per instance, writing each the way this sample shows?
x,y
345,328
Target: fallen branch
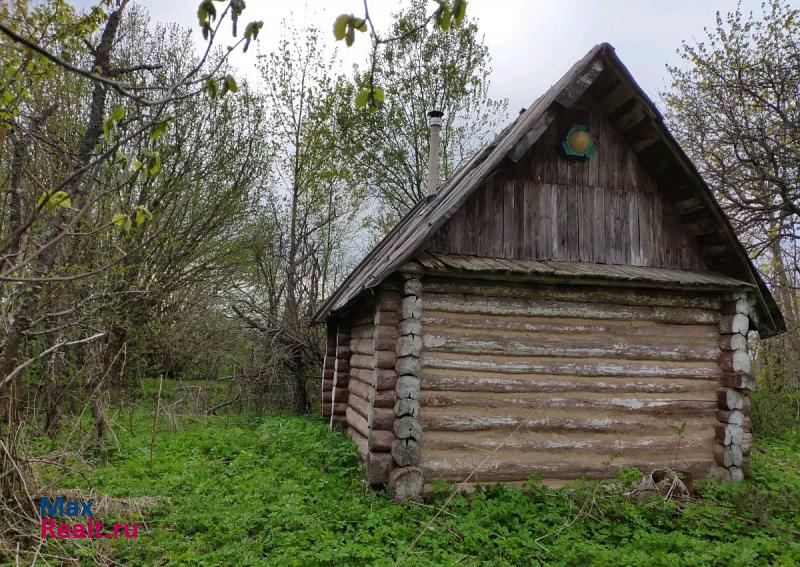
x,y
213,411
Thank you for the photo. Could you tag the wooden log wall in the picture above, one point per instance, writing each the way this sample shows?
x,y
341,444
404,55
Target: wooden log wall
x,y
606,209
732,433
370,413
406,480
336,375
566,382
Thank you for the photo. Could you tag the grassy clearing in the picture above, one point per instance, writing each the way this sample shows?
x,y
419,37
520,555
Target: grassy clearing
x,y
284,490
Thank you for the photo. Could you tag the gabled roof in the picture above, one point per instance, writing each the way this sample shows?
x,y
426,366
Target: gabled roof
x,y
645,130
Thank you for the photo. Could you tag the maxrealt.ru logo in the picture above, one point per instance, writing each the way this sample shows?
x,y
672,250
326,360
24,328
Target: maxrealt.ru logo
x,y
80,522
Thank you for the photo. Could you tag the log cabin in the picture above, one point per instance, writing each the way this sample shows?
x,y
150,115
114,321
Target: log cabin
x,y
571,302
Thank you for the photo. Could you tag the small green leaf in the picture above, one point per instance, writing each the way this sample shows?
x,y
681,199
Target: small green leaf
x,y
137,165
118,114
377,94
444,23
212,87
154,163
350,37
142,215
340,26
230,84
251,33
206,11
159,129
359,24
48,202
362,98
122,221
459,11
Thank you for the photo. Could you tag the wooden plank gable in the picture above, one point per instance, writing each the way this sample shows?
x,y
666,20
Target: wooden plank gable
x,y
607,209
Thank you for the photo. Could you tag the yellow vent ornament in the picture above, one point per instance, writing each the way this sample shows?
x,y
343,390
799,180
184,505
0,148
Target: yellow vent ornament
x,y
578,143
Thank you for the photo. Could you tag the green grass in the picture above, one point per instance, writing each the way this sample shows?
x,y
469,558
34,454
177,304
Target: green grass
x,y
284,490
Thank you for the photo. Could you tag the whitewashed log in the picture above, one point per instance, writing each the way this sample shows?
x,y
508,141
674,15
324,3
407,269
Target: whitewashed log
x,y
738,323
446,380
547,327
643,403
406,483
405,452
407,386
470,419
411,307
735,361
733,342
504,466
567,444
739,306
573,367
589,346
739,380
624,296
729,433
407,428
412,286
408,365
410,327
728,456
406,406
409,345
731,399
735,417
584,310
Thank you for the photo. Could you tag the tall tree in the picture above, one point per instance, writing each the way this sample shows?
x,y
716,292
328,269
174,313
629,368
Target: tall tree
x,y
735,108
423,69
301,227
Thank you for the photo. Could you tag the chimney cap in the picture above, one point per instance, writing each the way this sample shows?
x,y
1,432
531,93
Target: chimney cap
x,y
435,118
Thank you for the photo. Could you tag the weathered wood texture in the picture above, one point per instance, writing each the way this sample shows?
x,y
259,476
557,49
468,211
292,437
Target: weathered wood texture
x,y
407,480
732,434
604,210
328,370
565,380
334,389
370,396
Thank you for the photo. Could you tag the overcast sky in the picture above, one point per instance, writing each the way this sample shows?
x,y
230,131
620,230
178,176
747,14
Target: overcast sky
x,y
532,43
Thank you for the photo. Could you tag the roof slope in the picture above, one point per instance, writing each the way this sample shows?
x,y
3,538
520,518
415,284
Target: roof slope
x,y
648,135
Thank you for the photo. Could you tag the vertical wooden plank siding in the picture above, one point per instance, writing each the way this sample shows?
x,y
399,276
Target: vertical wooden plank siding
x,y
571,381
547,207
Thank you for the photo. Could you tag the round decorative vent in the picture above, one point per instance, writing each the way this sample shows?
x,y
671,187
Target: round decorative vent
x,y
578,143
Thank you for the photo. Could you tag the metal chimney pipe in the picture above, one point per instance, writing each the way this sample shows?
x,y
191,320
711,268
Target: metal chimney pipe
x,y
435,124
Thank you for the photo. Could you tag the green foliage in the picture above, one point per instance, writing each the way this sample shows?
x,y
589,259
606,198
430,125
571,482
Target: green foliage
x,y
344,28
48,202
283,490
424,70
